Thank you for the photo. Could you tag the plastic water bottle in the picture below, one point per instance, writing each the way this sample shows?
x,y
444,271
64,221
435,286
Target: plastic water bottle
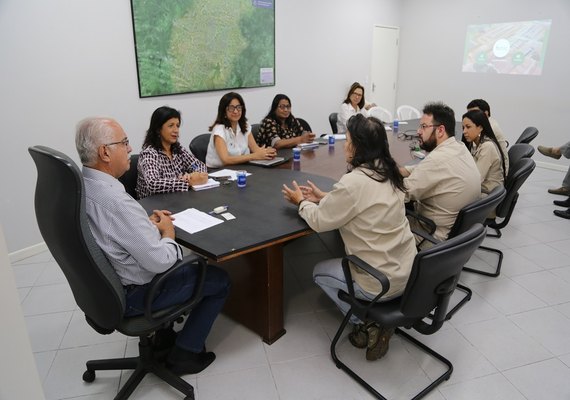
x,y
396,125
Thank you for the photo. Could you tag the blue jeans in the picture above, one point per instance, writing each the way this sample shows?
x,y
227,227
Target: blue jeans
x,y
178,289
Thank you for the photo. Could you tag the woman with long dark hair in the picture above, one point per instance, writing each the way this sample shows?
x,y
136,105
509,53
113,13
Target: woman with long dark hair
x,y
164,165
480,139
367,207
352,105
280,129
231,141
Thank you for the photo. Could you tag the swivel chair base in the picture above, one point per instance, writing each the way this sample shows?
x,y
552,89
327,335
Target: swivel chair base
x,y
143,364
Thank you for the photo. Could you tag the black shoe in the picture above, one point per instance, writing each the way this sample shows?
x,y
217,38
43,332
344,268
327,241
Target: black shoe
x,y
562,203
183,362
562,214
359,336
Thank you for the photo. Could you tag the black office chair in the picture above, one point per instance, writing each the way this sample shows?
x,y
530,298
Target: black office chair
x,y
528,135
199,146
63,223
433,279
333,117
473,213
129,178
305,125
518,173
255,132
518,151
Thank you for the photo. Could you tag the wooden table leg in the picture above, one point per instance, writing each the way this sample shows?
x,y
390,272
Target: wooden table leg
x,y
256,295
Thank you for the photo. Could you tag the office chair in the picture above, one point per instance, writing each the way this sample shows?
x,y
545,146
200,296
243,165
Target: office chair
x,y
381,113
199,146
433,279
129,178
520,150
305,125
528,135
473,213
255,131
405,112
63,223
518,173
333,118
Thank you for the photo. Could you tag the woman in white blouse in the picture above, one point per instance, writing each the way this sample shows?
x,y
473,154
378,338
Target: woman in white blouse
x,y
352,105
231,141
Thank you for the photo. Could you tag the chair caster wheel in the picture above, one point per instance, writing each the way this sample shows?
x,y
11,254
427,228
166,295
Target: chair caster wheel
x,y
89,376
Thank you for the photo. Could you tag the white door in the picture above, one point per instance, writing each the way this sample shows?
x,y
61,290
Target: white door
x,y
384,70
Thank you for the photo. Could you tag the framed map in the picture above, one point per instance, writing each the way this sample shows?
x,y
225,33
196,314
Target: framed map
x,y
185,46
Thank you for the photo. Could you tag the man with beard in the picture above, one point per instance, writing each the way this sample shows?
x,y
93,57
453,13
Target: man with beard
x,y
447,179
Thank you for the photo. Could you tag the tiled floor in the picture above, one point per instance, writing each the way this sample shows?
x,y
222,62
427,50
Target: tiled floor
x,y
511,341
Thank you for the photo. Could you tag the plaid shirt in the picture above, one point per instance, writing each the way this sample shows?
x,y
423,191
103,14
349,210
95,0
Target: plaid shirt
x,y
159,174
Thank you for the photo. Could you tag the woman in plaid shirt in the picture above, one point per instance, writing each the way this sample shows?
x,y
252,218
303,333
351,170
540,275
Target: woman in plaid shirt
x,y
164,165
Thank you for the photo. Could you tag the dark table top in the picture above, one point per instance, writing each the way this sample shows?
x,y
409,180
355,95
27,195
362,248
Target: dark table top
x,y
263,217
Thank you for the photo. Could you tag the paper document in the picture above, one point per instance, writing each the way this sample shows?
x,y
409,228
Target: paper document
x,y
192,220
337,136
208,185
226,172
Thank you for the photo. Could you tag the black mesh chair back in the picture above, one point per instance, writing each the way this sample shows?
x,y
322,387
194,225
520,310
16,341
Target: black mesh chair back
x,y
305,125
423,305
528,135
477,211
199,146
60,213
333,117
520,150
518,174
255,131
129,178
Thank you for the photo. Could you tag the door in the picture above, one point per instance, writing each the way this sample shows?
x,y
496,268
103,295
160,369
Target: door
x,y
384,69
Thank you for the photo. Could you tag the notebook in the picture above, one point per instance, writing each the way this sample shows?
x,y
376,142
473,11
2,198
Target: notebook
x,y
269,163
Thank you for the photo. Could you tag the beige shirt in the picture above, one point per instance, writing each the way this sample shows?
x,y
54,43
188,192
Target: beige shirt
x,y
443,183
502,141
489,164
371,219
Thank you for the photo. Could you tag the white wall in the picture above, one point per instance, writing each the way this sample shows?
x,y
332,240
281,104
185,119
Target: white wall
x,y
432,39
62,60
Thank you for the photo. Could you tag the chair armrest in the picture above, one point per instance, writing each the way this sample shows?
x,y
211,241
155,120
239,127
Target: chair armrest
x,y
378,275
159,280
427,223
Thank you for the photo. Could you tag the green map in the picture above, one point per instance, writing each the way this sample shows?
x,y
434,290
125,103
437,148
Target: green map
x,y
201,45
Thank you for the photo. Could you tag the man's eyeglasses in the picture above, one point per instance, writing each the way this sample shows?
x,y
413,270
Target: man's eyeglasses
x,y
234,108
125,142
423,127
284,107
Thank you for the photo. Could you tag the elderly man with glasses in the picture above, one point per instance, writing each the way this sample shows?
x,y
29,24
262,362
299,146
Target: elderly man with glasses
x,y
447,179
139,247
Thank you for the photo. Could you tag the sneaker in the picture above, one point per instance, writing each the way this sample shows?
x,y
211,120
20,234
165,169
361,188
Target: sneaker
x,y
378,342
548,152
358,337
183,362
561,190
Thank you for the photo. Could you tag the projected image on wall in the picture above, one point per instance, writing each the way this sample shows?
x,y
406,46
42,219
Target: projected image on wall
x,y
515,48
200,45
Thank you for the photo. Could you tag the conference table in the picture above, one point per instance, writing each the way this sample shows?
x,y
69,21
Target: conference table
x,y
250,247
